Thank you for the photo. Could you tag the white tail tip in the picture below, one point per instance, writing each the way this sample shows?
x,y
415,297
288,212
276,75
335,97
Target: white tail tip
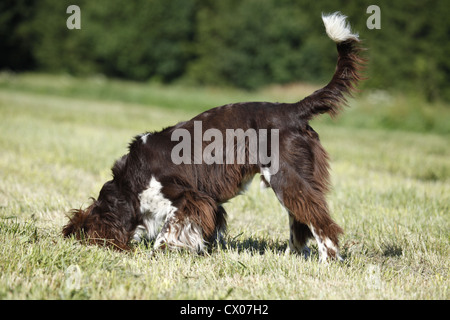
x,y
337,28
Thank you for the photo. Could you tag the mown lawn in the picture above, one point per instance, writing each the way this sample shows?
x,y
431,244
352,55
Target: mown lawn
x,y
59,137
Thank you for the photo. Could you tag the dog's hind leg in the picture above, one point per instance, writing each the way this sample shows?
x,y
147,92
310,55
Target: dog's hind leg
x,y
309,217
302,193
298,237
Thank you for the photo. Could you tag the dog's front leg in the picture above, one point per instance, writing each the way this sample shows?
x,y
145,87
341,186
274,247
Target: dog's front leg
x,y
179,234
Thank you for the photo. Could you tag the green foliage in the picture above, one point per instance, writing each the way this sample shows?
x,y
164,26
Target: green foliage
x,y
411,50
251,43
16,34
247,43
135,40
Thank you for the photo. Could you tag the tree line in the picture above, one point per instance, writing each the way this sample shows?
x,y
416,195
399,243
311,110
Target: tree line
x,y
241,43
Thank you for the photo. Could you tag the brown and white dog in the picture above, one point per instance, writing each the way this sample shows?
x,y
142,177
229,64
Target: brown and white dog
x,y
179,201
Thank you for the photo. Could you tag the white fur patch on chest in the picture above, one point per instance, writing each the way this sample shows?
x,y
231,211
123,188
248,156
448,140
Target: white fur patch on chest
x,y
155,207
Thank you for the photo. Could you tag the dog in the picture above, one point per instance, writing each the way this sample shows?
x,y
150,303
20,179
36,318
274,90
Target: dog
x,y
179,205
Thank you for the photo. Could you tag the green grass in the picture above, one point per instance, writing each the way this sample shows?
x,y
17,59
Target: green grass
x,y
59,136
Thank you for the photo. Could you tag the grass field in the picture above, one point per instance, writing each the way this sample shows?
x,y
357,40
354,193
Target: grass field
x,y
59,137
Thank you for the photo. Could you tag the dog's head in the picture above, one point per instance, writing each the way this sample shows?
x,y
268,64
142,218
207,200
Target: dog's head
x,y
109,220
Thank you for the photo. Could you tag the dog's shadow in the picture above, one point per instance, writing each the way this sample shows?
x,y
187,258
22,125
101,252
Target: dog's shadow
x,y
251,245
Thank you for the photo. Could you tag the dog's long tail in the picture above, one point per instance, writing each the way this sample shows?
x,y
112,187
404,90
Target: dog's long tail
x,y
332,97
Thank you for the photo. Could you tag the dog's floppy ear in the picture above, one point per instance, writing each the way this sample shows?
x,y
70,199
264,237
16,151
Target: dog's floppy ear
x,y
95,228
77,222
